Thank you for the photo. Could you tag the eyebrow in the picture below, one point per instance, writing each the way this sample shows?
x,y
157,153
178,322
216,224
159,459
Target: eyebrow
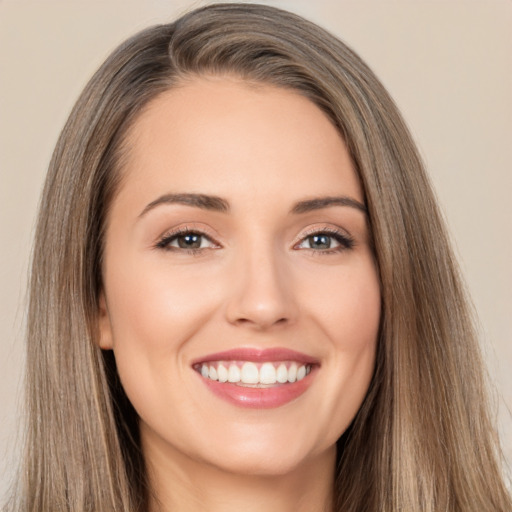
x,y
215,203
203,201
323,202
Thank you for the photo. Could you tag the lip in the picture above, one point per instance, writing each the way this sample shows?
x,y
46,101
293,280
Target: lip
x,y
259,397
258,356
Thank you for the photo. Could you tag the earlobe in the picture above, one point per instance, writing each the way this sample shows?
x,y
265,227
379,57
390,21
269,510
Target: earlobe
x,y
104,326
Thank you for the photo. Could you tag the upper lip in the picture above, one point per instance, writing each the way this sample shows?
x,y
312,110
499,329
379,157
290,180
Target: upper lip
x,y
258,355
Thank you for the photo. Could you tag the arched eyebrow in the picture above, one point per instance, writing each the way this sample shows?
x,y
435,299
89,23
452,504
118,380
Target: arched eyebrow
x,y
318,203
218,204
203,201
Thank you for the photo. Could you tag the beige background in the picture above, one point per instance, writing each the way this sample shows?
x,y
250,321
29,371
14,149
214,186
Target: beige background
x,y
447,64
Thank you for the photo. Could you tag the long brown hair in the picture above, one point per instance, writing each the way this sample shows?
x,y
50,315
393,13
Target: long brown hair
x,y
421,441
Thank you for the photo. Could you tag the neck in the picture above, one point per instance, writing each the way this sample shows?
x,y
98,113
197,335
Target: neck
x,y
179,483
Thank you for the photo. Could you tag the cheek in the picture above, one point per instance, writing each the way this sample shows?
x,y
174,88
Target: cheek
x,y
353,321
153,312
154,307
347,304
347,310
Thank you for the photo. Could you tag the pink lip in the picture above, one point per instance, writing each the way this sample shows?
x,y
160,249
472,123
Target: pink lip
x,y
259,398
258,356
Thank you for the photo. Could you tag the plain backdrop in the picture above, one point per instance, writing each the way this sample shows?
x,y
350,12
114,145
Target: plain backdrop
x,y
447,64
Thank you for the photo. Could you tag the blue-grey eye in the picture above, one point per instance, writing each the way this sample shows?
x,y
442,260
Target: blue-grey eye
x,y
326,242
319,241
186,240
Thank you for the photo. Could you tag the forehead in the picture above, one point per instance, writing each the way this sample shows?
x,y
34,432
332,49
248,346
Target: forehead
x,y
211,132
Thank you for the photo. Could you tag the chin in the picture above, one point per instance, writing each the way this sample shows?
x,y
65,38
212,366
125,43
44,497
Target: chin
x,y
265,458
262,465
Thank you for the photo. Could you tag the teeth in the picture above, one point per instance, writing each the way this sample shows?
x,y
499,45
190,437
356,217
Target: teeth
x,y
292,373
233,373
267,374
250,373
282,374
222,372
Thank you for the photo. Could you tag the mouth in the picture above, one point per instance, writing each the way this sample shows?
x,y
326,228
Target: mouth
x,y
253,374
257,378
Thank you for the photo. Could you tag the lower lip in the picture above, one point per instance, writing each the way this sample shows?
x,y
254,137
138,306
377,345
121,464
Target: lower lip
x,y
260,398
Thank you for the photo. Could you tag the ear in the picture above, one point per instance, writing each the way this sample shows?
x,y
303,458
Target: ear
x,y
104,325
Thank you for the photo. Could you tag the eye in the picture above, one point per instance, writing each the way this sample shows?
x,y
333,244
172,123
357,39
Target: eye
x,y
326,241
186,240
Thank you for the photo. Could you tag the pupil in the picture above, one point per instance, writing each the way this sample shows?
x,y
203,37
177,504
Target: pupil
x,y
320,241
190,241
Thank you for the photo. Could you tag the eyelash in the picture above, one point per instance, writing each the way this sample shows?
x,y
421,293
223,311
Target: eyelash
x,y
168,238
345,241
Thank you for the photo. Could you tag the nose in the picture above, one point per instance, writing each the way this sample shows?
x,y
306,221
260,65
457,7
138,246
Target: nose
x,y
261,292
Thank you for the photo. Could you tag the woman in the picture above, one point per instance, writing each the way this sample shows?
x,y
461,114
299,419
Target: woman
x,y
223,310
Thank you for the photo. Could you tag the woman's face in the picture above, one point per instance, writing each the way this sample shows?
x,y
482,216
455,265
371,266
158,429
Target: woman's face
x,y
241,298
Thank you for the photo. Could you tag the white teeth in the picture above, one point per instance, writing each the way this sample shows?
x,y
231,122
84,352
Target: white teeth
x,y
222,372
252,374
292,373
249,374
282,374
233,373
267,374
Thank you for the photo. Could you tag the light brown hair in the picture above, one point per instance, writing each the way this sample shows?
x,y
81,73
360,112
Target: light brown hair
x,y
421,441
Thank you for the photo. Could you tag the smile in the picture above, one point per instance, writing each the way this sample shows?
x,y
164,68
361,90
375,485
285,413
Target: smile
x,y
249,373
257,378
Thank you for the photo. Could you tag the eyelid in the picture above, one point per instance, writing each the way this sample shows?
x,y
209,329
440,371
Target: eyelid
x,y
170,234
342,237
322,228
347,240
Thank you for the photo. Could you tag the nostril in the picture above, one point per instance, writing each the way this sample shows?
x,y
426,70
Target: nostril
x,y
261,323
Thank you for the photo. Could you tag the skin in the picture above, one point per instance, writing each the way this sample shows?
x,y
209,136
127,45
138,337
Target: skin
x,y
257,281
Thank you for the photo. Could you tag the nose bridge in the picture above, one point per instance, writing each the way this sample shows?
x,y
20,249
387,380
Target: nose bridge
x,y
261,289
